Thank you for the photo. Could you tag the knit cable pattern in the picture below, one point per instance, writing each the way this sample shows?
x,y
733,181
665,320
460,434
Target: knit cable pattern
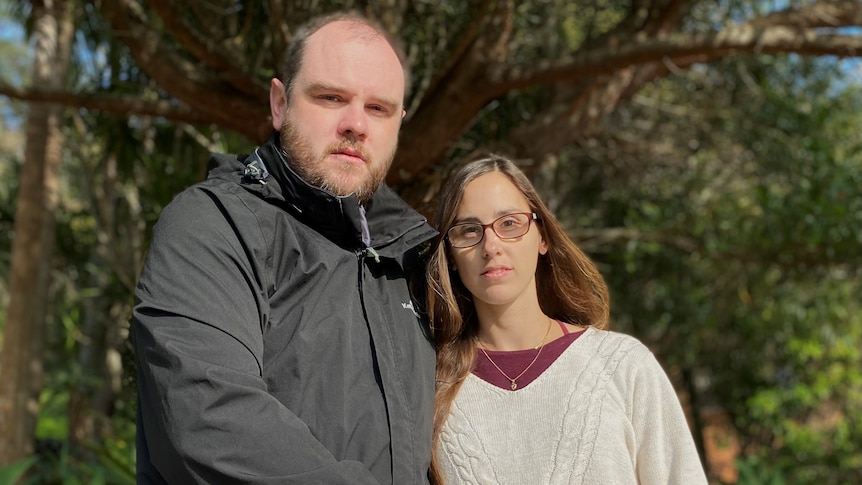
x,y
581,420
484,440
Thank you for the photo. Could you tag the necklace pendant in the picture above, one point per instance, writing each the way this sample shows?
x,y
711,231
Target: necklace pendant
x,y
514,386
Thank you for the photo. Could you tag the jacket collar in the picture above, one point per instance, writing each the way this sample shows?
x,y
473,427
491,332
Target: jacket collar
x,y
394,226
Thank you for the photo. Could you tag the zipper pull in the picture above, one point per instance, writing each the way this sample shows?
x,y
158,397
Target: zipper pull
x,y
372,252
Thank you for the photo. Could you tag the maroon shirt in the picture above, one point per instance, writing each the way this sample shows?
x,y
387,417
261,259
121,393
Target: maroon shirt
x,y
513,362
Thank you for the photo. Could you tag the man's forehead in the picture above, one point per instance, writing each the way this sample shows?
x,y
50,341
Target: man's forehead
x,y
350,54
346,30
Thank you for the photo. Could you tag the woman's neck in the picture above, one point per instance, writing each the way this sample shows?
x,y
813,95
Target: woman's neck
x,y
514,327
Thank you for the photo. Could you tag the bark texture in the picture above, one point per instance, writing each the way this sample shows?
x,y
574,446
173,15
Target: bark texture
x,y
21,370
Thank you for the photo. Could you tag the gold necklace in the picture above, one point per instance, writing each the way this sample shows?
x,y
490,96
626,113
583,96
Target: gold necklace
x,y
513,379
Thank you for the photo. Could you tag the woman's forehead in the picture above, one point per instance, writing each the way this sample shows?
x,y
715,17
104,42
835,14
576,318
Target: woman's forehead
x,y
491,193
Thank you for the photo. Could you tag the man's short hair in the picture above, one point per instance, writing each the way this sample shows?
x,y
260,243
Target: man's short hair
x,y
294,54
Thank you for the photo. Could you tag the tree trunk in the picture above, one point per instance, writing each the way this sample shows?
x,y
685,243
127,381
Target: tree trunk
x,y
21,370
697,424
91,400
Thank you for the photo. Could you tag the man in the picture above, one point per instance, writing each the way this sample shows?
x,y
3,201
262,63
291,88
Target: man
x,y
274,333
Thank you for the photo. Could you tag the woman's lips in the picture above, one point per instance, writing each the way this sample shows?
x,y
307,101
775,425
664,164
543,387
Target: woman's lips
x,y
496,272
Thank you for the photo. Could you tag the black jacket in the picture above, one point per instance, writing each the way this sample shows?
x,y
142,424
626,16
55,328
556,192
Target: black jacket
x,y
271,345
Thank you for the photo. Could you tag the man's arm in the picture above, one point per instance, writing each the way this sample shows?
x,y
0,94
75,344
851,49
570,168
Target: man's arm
x,y
206,414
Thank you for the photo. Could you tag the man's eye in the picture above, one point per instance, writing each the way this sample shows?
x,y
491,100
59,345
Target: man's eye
x,y
379,110
329,97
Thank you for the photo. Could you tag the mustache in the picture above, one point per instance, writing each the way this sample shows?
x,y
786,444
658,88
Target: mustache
x,y
350,145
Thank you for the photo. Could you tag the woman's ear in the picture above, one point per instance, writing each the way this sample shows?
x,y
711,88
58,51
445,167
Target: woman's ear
x,y
543,246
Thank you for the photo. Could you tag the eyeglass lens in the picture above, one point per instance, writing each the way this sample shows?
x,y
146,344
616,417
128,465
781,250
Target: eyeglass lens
x,y
509,226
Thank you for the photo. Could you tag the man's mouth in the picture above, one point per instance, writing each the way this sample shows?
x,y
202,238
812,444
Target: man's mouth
x,y
357,155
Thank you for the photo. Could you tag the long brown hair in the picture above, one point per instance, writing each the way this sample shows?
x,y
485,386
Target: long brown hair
x,y
569,286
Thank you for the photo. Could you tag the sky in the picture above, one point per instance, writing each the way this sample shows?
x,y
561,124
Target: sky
x,y
10,30
11,34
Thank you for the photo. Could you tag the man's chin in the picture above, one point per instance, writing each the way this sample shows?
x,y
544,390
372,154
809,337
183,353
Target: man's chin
x,y
344,187
345,179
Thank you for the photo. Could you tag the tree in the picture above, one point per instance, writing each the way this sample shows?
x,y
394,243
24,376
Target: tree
x,y
210,63
725,215
640,109
20,374
13,66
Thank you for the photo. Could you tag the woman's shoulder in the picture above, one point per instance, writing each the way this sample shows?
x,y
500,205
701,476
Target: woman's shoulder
x,y
614,342
613,337
621,357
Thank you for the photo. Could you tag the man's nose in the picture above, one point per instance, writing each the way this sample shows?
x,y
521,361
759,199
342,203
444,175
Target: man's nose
x,y
354,122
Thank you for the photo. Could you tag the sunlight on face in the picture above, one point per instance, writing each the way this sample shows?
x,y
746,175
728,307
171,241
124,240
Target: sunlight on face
x,y
497,271
341,123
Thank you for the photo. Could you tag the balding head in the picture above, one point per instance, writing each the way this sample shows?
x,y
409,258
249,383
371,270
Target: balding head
x,y
361,28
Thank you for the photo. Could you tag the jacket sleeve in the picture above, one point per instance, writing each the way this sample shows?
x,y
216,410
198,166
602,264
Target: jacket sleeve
x,y
665,451
205,413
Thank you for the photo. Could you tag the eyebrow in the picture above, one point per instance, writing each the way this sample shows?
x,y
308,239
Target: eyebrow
x,y
321,86
497,215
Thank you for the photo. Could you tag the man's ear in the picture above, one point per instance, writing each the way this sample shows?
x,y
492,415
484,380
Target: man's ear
x,y
277,103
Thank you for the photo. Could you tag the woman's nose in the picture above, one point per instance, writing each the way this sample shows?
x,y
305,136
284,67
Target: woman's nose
x,y
490,241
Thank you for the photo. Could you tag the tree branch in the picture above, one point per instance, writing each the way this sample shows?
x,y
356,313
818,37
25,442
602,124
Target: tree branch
x,y
654,16
794,256
280,34
463,45
205,51
598,240
179,77
681,49
819,14
108,103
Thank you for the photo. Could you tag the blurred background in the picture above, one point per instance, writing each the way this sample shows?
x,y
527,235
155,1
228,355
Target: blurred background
x,y
706,154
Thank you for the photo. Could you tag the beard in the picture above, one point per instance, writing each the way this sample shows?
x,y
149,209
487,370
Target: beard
x,y
335,177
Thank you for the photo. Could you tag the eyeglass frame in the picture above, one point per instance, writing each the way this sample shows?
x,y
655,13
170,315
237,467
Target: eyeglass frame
x,y
532,217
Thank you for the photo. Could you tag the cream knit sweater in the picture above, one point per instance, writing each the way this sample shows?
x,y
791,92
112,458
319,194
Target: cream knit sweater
x,y
603,413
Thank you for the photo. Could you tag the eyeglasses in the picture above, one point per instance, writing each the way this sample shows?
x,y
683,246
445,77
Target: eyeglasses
x,y
509,226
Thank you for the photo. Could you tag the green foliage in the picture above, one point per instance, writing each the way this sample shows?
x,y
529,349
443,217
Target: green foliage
x,y
96,465
754,471
737,256
10,474
115,189
108,457
14,66
583,21
723,207
556,29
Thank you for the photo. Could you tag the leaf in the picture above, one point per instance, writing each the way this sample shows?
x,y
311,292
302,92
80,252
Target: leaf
x,y
10,474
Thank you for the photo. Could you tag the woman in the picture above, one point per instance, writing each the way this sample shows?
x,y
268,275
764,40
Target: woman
x,y
531,387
